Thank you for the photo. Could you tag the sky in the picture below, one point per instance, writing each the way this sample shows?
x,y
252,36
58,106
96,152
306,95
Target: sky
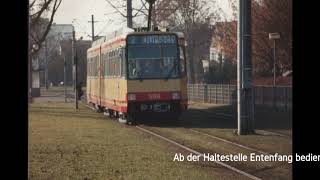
x,y
79,14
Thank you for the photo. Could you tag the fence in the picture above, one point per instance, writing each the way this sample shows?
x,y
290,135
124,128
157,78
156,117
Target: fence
x,y
278,96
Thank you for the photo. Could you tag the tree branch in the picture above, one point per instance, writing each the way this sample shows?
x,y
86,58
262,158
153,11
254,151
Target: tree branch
x,y
48,27
40,12
116,8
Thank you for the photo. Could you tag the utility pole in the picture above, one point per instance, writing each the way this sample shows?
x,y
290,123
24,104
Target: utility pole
x,y
30,76
65,77
129,13
274,63
75,69
46,64
72,58
154,16
274,37
151,2
29,62
245,89
64,70
92,26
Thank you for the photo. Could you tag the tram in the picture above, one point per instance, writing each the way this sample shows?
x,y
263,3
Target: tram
x,y
132,73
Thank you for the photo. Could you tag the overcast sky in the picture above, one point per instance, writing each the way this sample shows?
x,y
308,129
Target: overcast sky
x,y
79,13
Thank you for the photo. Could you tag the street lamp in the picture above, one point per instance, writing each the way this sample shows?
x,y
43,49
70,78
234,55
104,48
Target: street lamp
x,y
274,37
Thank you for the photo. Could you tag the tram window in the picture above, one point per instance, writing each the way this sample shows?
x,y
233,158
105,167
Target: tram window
x,y
147,52
117,62
95,66
101,65
116,65
91,71
110,66
123,62
113,63
170,66
182,61
92,66
118,58
88,67
98,65
105,64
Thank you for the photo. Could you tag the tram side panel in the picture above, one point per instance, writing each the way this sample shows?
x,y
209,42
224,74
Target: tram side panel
x,y
114,84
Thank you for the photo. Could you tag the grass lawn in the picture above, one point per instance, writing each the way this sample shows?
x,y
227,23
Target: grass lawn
x,y
65,143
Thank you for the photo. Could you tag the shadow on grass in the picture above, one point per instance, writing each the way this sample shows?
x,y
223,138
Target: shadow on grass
x,y
52,108
65,112
65,115
224,117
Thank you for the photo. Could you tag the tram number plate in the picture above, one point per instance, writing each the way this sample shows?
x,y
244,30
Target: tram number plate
x,y
154,96
161,107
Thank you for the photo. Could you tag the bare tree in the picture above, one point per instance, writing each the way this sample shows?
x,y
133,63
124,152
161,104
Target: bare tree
x,y
225,39
194,18
41,15
268,16
126,10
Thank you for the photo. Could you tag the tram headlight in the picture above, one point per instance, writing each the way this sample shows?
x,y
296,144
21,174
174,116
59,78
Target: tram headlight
x,y
175,95
131,97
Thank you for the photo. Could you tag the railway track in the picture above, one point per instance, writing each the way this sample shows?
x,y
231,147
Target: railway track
x,y
199,152
229,117
252,170
230,142
226,116
217,138
250,176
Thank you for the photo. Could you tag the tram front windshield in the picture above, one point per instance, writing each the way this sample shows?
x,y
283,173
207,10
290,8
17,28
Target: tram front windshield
x,y
152,57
